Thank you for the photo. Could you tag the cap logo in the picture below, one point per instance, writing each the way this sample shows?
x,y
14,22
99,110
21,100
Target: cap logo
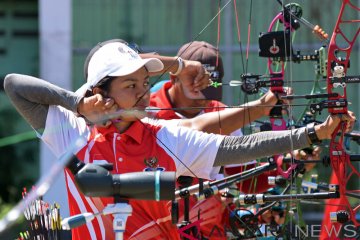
x,y
209,68
121,49
214,75
129,51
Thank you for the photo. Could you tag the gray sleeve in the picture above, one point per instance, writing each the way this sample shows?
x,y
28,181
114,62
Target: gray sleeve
x,y
235,150
32,96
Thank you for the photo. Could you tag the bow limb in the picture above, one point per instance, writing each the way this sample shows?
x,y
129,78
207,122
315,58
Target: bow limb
x,y
337,67
276,86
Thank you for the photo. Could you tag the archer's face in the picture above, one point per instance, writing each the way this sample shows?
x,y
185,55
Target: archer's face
x,y
131,91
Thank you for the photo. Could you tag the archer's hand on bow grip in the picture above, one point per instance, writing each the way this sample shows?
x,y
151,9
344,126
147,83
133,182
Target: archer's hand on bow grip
x,y
270,99
301,154
270,215
325,129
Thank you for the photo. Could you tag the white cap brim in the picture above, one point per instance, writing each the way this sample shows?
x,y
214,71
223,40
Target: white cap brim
x,y
151,64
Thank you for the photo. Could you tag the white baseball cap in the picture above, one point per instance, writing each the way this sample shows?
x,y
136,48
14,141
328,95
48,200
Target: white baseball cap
x,y
116,59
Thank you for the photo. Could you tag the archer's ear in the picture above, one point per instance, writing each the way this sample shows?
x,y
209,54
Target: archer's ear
x,y
97,90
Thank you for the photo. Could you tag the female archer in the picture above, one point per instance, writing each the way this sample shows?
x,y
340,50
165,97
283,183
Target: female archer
x,y
117,72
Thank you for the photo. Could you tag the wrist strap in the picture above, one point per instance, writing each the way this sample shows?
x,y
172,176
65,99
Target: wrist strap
x,y
312,134
180,68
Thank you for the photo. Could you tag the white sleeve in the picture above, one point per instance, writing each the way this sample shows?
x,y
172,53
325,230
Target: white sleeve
x,y
193,151
237,133
62,130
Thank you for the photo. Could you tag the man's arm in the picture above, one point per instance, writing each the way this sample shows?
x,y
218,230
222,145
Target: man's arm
x,y
234,118
170,63
234,150
193,69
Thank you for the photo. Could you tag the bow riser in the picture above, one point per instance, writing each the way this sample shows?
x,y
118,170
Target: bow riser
x,y
337,67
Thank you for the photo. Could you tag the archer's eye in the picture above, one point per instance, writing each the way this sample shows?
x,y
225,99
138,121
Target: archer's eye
x,y
147,82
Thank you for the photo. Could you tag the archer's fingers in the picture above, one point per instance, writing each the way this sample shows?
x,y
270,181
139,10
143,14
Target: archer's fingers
x,y
202,82
288,90
109,103
350,117
303,154
316,152
300,154
350,126
352,121
278,218
100,101
266,216
112,109
200,70
202,77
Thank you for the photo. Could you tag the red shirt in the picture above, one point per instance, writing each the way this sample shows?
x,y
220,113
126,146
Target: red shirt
x,y
102,142
211,209
159,99
137,149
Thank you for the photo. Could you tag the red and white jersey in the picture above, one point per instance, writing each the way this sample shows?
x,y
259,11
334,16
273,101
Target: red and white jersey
x,y
139,148
213,212
210,210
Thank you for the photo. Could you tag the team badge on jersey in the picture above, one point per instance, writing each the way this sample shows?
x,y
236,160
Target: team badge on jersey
x,y
152,164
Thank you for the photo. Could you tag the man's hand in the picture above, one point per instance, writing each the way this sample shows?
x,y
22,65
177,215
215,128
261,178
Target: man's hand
x,y
325,129
194,78
302,155
269,100
269,215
